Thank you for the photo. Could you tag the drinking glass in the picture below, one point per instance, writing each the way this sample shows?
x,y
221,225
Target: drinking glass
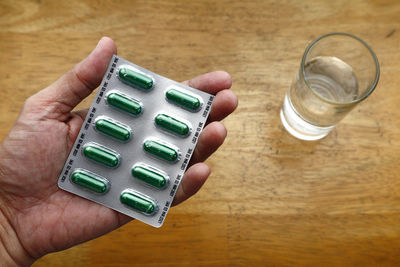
x,y
337,71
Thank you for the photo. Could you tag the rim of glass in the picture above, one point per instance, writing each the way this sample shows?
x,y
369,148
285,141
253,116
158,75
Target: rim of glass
x,y
377,73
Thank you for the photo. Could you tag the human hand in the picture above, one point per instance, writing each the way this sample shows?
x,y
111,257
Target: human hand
x,y
36,217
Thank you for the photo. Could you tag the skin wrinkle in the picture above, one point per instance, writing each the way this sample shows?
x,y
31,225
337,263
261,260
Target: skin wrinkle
x,y
3,242
89,87
32,201
11,154
62,215
73,129
3,206
37,110
195,156
53,109
65,228
184,190
7,182
2,174
71,137
201,153
87,83
59,109
14,233
67,231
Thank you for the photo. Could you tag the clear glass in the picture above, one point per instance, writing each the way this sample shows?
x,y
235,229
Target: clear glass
x,y
338,71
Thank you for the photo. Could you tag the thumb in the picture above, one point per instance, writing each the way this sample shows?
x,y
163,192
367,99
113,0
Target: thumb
x,y
57,100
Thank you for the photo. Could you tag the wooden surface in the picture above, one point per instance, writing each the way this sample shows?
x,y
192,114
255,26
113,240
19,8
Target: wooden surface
x,y
271,199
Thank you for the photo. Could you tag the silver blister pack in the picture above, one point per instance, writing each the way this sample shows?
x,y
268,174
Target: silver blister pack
x,y
136,142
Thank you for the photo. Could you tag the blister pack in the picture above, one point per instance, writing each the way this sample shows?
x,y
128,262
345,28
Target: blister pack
x,y
136,142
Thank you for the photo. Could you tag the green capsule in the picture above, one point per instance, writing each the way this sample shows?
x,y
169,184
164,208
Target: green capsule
x,y
160,150
138,202
136,79
124,103
101,155
171,124
89,181
182,99
149,176
113,129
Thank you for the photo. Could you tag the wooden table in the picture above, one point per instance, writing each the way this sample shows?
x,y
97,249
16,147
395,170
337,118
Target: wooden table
x,y
271,199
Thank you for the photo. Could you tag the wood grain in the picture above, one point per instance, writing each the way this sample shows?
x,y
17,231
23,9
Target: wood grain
x,y
271,199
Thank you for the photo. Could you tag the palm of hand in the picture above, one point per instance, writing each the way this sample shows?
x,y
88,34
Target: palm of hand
x,y
35,153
